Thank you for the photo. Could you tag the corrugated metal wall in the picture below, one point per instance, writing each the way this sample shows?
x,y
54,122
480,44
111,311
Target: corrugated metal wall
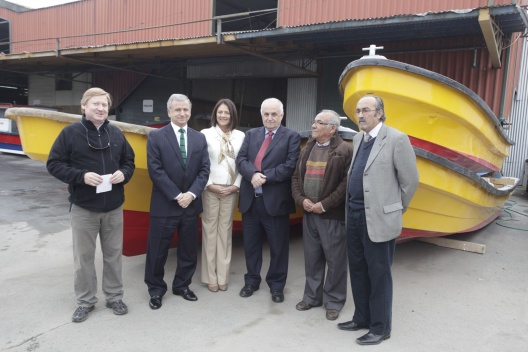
x,y
298,12
104,16
458,65
514,165
302,99
120,83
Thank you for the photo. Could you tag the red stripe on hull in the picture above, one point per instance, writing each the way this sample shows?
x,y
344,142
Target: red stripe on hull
x,y
467,161
409,234
135,232
10,139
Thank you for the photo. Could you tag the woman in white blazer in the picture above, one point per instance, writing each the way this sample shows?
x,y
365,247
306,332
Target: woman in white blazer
x,y
220,195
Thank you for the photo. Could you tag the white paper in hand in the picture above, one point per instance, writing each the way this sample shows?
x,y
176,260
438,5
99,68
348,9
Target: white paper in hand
x,y
105,186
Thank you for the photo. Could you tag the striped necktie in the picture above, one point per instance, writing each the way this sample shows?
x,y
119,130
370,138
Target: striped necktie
x,y
182,146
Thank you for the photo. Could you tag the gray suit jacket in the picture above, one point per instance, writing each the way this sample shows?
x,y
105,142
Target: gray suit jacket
x,y
389,182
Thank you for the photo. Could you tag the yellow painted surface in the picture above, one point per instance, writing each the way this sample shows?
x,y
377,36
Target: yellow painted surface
x,y
38,130
445,201
448,202
425,109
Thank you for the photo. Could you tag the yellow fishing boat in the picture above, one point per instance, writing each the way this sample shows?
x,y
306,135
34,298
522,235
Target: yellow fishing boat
x,y
38,130
456,137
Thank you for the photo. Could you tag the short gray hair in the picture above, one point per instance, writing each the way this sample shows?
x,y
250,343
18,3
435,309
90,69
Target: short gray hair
x,y
335,119
178,97
281,106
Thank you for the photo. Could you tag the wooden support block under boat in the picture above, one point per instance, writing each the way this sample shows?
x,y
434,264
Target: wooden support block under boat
x,y
455,244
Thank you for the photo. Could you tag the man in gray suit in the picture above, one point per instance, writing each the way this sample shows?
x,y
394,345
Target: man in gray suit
x,y
381,183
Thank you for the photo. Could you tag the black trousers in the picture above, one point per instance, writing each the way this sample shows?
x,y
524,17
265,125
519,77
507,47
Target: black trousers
x,y
370,275
161,232
255,223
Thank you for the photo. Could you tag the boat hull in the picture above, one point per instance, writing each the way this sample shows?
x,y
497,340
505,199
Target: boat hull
x,y
10,143
430,107
38,130
456,138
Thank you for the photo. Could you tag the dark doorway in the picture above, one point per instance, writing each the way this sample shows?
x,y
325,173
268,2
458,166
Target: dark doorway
x,y
258,19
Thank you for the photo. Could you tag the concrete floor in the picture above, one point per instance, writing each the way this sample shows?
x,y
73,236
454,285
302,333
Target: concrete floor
x,y
444,299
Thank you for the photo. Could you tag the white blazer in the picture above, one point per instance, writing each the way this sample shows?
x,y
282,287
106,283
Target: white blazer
x,y
219,173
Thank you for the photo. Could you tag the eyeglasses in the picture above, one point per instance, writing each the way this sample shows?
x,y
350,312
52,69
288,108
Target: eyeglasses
x,y
364,111
321,123
98,148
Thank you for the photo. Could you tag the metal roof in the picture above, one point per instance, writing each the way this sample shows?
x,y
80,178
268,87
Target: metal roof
x,y
305,41
398,28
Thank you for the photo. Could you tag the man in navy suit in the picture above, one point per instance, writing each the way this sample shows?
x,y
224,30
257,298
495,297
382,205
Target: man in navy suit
x,y
178,165
266,162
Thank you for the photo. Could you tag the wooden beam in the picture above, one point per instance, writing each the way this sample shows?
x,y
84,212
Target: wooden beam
x,y
492,35
455,244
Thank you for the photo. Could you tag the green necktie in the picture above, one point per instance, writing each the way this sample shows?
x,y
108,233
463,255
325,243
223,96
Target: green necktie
x,y
182,146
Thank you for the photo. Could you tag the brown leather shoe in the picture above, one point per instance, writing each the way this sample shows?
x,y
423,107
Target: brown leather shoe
x,y
332,314
302,305
222,287
213,288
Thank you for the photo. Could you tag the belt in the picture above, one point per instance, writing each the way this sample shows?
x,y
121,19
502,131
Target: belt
x,y
258,195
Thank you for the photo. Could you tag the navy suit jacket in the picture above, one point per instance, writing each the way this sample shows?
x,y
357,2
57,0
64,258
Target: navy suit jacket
x,y
278,165
170,177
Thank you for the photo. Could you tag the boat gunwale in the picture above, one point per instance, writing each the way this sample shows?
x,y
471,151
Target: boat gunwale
x,y
14,113
432,75
463,171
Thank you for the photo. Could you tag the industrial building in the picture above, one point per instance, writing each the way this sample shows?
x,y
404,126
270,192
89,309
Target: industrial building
x,y
143,51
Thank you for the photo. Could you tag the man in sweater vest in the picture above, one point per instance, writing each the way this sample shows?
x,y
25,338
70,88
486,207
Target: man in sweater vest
x,y
381,183
319,188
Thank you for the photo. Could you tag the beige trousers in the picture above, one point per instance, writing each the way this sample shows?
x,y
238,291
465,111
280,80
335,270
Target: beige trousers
x,y
86,226
217,229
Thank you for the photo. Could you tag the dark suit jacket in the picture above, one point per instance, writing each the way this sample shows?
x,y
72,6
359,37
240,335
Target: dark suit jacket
x,y
278,166
168,174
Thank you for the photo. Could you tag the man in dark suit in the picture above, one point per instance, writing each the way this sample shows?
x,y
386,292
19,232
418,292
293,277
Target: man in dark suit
x,y
266,162
178,165
381,183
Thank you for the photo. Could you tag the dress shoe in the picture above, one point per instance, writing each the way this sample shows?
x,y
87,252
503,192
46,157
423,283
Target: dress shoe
x,y
351,326
372,339
155,302
277,296
332,314
222,287
213,288
187,294
302,305
248,290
